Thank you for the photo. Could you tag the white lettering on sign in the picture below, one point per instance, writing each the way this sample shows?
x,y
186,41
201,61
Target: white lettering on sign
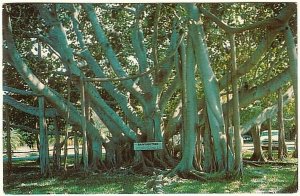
x,y
148,146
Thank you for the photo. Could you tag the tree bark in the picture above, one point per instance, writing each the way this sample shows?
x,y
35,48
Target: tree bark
x,y
211,90
34,111
257,154
83,122
282,149
44,150
76,150
57,147
8,140
65,144
189,111
198,151
270,146
238,163
295,153
209,163
293,59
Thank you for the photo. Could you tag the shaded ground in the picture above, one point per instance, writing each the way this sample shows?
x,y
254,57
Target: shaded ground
x,y
25,179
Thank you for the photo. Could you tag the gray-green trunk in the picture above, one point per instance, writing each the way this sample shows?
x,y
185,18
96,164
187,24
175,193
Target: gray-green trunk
x,y
44,153
282,149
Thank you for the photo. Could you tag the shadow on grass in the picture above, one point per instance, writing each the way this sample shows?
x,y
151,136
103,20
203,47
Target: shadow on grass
x,y
25,179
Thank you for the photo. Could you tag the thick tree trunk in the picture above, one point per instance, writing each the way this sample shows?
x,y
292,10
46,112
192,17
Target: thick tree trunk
x,y
96,154
37,139
139,47
293,59
211,90
110,154
189,111
257,154
238,163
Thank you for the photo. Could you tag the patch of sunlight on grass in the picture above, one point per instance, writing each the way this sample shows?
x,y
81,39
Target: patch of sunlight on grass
x,y
183,187
265,179
233,186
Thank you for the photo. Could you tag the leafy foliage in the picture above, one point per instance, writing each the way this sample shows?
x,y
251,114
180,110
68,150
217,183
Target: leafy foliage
x,y
16,139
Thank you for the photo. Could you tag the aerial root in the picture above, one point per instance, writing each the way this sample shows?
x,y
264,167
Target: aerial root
x,y
256,157
259,163
148,162
193,174
189,174
142,168
95,166
160,163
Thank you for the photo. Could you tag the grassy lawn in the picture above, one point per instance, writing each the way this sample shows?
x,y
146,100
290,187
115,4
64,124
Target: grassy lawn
x,y
265,179
25,179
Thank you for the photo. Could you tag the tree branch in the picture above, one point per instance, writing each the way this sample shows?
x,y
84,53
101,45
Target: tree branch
x,y
34,83
266,113
166,95
109,52
285,14
98,71
19,91
252,61
140,50
49,112
154,37
164,61
293,57
60,43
